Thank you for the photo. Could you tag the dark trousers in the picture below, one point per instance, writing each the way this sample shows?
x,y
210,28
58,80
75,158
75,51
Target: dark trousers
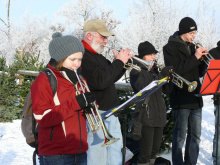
x,y
149,143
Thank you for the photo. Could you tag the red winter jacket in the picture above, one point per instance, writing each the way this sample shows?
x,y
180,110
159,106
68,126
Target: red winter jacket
x,y
62,126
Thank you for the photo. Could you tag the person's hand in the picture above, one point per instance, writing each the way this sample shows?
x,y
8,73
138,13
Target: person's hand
x,y
200,52
87,110
166,71
85,101
123,55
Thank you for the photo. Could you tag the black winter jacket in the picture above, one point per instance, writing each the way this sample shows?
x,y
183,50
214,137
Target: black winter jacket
x,y
215,53
155,114
181,56
101,75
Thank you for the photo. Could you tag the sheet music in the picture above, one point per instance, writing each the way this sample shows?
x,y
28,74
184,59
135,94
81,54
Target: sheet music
x,y
141,95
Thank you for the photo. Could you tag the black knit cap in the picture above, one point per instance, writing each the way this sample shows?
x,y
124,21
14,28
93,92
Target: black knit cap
x,y
187,25
145,48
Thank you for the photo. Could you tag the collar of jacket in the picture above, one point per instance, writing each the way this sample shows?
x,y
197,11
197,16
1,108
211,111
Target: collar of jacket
x,y
177,39
57,73
88,47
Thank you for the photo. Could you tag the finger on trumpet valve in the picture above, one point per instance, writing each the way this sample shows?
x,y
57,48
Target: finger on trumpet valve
x,y
92,124
206,57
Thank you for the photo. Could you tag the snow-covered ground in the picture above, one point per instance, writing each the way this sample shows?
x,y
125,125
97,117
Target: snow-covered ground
x,y
15,151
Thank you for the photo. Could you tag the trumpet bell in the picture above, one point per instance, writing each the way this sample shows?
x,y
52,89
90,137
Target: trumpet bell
x,y
178,81
147,64
110,141
192,86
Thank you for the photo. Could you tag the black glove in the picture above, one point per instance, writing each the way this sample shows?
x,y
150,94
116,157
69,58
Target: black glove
x,y
89,99
87,110
166,70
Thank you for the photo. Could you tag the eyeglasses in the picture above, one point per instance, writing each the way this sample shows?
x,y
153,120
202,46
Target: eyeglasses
x,y
103,37
192,33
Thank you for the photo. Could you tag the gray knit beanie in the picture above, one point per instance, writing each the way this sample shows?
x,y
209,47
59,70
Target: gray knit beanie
x,y
61,47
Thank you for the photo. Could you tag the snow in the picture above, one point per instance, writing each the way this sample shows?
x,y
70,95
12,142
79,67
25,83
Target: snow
x,y
15,151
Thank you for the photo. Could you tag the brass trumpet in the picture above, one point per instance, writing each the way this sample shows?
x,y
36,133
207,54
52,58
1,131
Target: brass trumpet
x,y
178,81
131,65
94,120
174,77
204,58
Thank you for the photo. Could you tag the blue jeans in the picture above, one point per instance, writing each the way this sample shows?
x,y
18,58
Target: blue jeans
x,y
217,107
111,155
186,121
76,159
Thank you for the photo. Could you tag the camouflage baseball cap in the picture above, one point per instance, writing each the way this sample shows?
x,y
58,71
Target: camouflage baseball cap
x,y
97,25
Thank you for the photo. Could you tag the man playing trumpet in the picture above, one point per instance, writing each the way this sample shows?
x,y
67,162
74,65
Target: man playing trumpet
x,y
181,54
101,75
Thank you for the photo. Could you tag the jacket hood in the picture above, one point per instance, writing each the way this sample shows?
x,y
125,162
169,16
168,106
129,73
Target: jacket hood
x,y
176,38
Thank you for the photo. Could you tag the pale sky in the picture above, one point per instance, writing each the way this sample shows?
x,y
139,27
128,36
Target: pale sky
x,y
40,8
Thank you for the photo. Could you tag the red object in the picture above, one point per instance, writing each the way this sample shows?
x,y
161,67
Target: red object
x,y
212,78
87,46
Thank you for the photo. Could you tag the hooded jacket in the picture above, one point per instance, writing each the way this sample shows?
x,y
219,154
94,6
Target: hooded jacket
x,y
62,125
181,55
154,115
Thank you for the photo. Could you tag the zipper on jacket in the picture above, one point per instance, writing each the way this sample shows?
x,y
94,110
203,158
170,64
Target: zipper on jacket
x,y
80,146
146,107
148,111
51,133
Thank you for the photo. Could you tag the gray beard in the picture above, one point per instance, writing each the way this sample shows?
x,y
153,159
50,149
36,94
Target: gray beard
x,y
96,47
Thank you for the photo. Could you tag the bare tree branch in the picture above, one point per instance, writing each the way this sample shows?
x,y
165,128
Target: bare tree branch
x,y
4,32
3,22
8,19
